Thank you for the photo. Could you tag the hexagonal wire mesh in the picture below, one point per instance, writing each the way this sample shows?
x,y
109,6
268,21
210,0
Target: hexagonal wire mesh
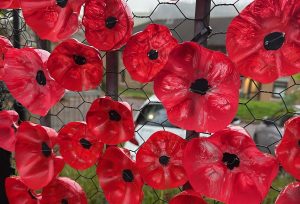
x,y
277,100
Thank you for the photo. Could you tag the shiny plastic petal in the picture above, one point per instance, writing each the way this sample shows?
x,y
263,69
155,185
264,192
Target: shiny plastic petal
x,y
262,41
8,128
228,167
5,44
290,194
119,177
111,121
187,197
9,4
79,148
76,66
199,88
53,20
63,190
28,80
108,23
146,52
288,151
160,160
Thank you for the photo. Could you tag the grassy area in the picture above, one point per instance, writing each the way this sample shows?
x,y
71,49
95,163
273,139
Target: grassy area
x,y
135,93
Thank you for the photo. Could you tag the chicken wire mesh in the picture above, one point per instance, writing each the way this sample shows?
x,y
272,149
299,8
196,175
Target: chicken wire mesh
x,y
185,19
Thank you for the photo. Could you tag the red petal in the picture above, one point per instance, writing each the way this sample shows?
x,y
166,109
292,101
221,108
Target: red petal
x,y
79,148
63,190
187,197
135,56
5,44
110,172
21,70
290,194
8,127
76,66
110,131
9,4
154,172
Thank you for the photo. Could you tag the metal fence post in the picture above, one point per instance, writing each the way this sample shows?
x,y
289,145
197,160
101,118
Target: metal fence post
x,y
112,63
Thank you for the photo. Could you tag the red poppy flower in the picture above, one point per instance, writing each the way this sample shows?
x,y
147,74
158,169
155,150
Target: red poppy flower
x,y
108,23
119,177
290,194
28,80
63,190
76,66
18,193
9,4
263,41
187,197
36,163
8,127
5,44
111,121
79,148
199,88
146,53
159,160
53,20
288,150
228,167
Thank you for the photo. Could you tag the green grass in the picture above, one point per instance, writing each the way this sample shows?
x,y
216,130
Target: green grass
x,y
134,93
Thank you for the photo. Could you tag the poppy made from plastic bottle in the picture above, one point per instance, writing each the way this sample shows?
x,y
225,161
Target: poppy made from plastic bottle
x,y
63,191
27,79
76,66
18,193
53,20
263,40
290,194
111,121
147,52
160,160
288,150
187,197
199,88
5,44
9,4
108,23
8,127
36,162
79,148
119,177
229,168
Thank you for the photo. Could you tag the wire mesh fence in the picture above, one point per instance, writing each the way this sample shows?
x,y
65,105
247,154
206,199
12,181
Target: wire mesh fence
x,y
262,106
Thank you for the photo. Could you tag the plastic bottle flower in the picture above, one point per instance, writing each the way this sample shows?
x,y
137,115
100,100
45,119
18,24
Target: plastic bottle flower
x,y
8,127
108,23
160,160
199,88
76,66
79,148
262,40
146,52
187,197
18,193
36,163
5,44
111,121
119,177
53,20
9,4
229,168
290,194
28,80
288,150
65,191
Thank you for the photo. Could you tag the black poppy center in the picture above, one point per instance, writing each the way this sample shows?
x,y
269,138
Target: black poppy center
x,y
64,201
80,60
274,41
200,86
62,3
111,22
41,78
153,54
299,143
164,160
85,143
231,160
46,150
127,175
114,115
